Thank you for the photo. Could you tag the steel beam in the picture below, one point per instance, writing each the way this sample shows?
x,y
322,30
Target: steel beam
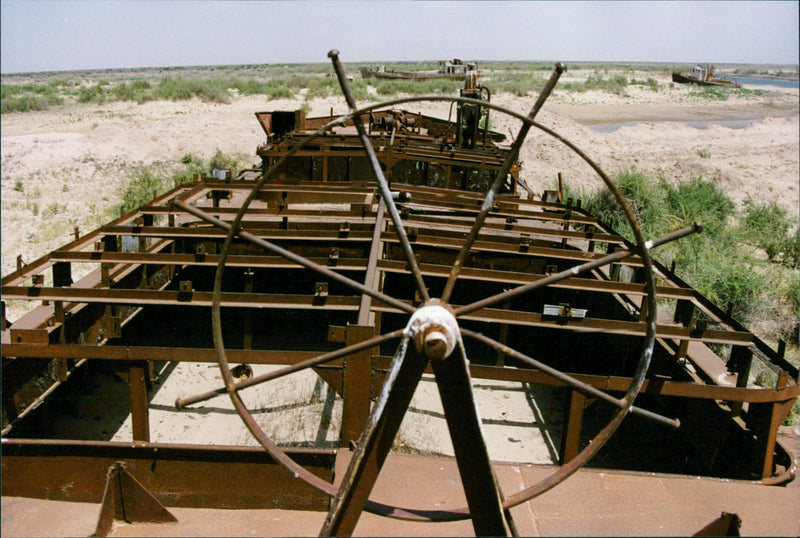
x,y
189,476
357,385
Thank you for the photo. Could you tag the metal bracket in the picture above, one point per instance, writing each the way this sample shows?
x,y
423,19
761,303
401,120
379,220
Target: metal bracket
x,y
333,256
563,312
30,336
337,333
125,499
524,242
320,293
112,325
185,290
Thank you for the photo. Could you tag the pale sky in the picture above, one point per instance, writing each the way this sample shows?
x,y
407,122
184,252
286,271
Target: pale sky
x,y
67,35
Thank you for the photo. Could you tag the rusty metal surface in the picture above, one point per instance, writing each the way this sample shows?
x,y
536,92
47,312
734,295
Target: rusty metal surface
x,y
662,506
177,475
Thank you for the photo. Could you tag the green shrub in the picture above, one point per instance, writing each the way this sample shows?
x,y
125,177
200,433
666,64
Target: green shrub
x,y
615,84
29,103
791,249
702,201
711,93
147,180
766,226
714,262
180,89
139,91
645,197
715,266
92,94
143,182
519,84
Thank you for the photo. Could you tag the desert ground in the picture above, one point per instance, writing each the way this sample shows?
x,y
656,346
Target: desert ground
x,y
70,164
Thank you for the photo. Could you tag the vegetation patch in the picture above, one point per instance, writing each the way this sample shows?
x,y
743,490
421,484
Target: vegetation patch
x,y
146,181
745,261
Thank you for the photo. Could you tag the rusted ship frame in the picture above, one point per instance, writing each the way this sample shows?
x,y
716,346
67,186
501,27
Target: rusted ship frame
x,y
366,245
455,70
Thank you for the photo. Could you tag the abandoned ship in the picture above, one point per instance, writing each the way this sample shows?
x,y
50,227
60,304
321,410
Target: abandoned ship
x,y
376,252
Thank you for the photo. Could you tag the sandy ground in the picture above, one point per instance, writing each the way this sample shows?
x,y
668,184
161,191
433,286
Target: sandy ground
x,y
66,168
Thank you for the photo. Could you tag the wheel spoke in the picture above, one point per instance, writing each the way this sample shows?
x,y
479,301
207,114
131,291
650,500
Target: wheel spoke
x,y
376,441
310,363
273,449
574,271
488,202
480,484
580,386
384,185
296,258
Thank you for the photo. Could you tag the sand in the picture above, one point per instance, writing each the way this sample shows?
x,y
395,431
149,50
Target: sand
x,y
65,168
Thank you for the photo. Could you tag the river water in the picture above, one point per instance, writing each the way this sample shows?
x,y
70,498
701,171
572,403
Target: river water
x,y
755,81
732,124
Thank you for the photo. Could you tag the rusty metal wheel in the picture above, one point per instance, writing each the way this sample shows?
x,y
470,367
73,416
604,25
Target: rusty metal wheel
x,y
434,329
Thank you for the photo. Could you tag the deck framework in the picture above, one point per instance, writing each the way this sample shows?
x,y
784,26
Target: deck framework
x,y
148,291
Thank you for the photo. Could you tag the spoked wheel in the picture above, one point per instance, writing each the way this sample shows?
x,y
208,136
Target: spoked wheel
x,y
433,336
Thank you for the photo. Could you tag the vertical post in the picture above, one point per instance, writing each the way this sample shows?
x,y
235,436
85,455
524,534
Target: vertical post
x,y
614,274
769,417
684,314
247,324
140,411
357,385
644,309
571,436
740,360
501,357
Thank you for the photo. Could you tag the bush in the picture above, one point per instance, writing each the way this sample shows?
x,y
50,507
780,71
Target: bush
x,y
144,182
147,180
712,266
180,89
714,262
92,94
222,161
791,249
703,201
645,197
139,91
766,226
29,103
711,93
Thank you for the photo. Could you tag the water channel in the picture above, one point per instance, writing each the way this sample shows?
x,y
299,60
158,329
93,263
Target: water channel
x,y
731,124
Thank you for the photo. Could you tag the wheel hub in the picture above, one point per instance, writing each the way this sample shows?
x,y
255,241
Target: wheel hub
x,y
435,331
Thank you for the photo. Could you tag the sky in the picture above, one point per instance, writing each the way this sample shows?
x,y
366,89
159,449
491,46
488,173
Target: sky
x,y
62,35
